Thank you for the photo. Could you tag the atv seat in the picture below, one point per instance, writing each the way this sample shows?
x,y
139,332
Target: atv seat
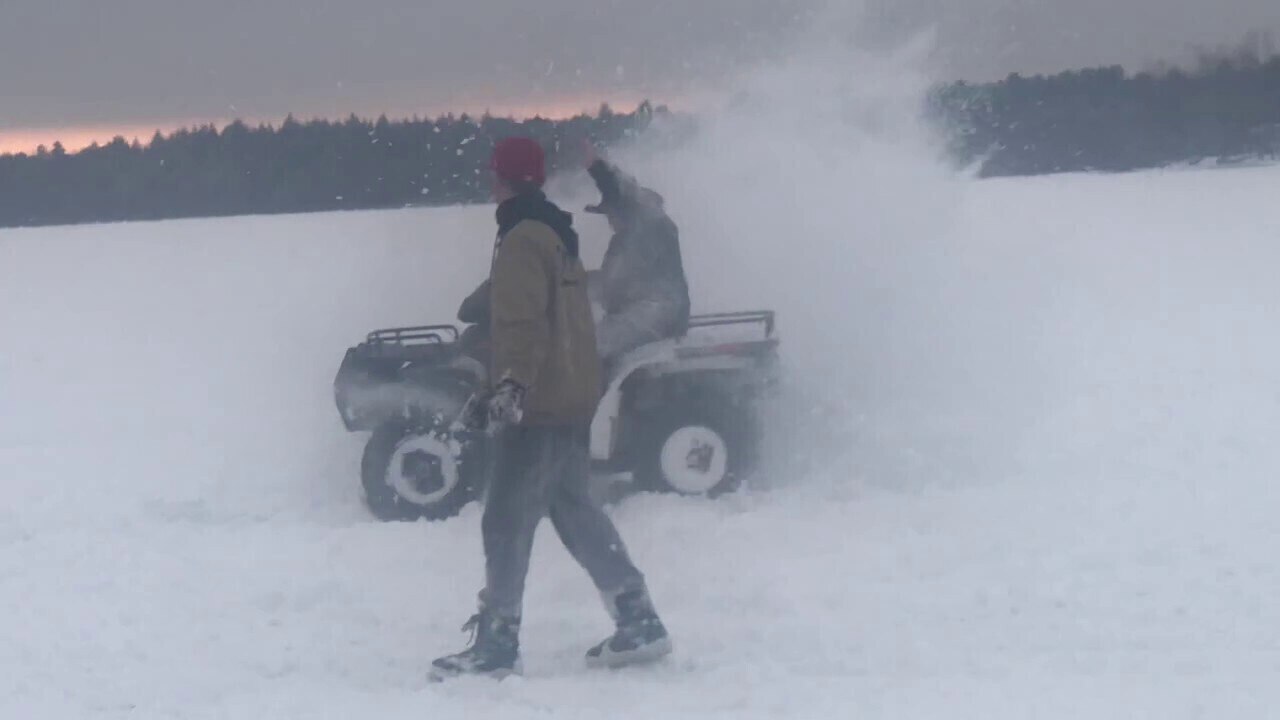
x,y
723,334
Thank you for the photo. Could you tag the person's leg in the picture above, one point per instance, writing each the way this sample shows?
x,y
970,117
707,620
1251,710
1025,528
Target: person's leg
x,y
585,529
516,502
624,331
592,538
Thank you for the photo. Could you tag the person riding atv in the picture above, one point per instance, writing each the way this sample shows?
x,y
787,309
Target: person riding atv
x,y
640,288
641,283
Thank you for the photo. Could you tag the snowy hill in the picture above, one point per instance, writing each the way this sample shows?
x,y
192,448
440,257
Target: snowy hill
x,y
1027,470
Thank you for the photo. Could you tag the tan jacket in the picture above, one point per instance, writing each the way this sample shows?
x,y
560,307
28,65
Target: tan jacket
x,y
543,333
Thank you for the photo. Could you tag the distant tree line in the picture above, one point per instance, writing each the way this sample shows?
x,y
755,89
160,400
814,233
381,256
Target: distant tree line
x,y
1103,119
1099,119
296,167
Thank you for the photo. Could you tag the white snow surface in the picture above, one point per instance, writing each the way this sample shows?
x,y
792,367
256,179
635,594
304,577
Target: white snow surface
x,y
1024,469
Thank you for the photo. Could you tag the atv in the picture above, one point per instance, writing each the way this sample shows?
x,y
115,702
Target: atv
x,y
676,416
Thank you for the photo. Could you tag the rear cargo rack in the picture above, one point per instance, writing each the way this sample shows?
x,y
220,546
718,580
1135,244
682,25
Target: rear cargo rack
x,y
765,317
409,344
420,335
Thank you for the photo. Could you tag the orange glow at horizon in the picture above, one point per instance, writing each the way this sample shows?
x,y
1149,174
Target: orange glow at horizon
x,y
76,138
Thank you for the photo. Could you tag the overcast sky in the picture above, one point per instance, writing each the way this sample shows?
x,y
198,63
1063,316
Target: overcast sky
x,y
73,64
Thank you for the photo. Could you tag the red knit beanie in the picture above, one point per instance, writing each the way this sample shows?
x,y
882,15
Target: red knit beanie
x,y
519,159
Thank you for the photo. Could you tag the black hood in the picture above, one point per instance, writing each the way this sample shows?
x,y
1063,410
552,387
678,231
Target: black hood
x,y
536,206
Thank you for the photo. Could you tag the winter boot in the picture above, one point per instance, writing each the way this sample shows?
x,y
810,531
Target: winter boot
x,y
640,636
494,650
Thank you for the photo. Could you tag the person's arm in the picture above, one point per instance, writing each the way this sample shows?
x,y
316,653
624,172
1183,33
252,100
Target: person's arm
x,y
607,181
475,309
521,292
620,188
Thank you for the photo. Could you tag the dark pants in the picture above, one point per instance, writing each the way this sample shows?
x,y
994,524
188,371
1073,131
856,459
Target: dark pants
x,y
545,471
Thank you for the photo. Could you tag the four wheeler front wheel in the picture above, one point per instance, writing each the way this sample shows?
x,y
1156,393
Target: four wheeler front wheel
x,y
410,473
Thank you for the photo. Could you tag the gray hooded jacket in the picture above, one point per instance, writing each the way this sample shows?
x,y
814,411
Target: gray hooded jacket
x,y
642,276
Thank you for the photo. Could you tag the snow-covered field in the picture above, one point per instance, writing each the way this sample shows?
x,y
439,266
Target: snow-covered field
x,y
1029,469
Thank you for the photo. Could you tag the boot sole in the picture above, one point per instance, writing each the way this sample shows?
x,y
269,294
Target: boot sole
x,y
439,675
650,653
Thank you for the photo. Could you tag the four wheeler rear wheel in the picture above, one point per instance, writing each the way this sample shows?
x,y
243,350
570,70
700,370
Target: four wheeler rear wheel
x,y
410,473
695,448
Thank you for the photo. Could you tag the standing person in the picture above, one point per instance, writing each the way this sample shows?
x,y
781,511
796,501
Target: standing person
x,y
641,282
546,382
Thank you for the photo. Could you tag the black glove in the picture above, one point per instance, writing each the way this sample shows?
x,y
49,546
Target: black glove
x,y
505,405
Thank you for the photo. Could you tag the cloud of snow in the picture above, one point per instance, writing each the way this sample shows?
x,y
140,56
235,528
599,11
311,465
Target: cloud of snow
x,y
818,189
943,331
